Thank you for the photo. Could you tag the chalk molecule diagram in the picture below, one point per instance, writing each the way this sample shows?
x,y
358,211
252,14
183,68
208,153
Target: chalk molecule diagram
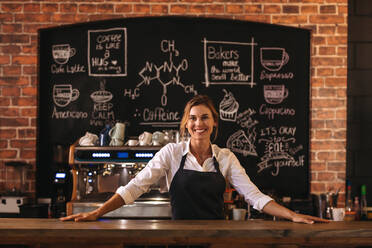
x,y
152,72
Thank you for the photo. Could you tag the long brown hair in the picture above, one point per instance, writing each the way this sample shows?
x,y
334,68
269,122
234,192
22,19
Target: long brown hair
x,y
195,101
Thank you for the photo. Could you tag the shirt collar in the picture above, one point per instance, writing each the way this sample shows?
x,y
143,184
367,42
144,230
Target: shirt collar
x,y
187,149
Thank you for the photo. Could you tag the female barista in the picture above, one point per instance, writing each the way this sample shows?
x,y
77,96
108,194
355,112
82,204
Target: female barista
x,y
195,172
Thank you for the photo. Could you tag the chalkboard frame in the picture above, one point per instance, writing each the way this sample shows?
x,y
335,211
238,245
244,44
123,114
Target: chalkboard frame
x,y
45,158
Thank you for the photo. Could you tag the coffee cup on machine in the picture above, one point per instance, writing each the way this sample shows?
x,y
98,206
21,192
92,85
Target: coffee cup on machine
x,y
157,138
145,139
117,134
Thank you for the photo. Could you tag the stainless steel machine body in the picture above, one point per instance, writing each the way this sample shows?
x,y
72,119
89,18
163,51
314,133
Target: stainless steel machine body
x,y
99,171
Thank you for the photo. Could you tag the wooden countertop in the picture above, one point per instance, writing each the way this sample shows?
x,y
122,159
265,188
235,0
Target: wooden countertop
x,y
216,233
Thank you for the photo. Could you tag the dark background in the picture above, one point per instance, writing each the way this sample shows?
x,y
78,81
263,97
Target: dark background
x,y
144,37
359,95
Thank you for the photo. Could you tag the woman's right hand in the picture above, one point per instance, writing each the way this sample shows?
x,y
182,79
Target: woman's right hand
x,y
88,216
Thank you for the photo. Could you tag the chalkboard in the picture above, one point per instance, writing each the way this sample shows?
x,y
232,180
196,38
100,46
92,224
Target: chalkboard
x,y
143,70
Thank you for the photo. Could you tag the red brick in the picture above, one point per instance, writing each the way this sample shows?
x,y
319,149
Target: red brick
x,y
178,8
324,114
341,135
325,156
341,114
318,166
141,8
10,49
87,8
29,70
292,19
335,123
329,145
14,80
10,91
327,29
12,70
327,61
341,155
272,9
33,122
31,7
28,154
123,8
4,101
336,82
327,50
105,8
316,187
250,8
63,18
327,9
341,92
317,123
33,27
327,92
318,40
3,144
309,9
323,134
69,7
11,7
342,51
257,18
24,101
4,59
5,17
30,17
26,133
326,176
290,9
342,9
341,29
325,72
8,154
317,82
215,8
234,9
49,7
337,40
13,122
7,133
327,103
327,19
197,9
14,38
29,112
29,91
160,9
24,60
22,143
12,28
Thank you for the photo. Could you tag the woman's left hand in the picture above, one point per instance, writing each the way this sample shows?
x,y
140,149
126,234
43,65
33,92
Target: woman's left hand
x,y
308,219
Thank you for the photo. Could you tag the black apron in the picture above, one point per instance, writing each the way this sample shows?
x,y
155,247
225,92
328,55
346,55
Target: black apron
x,y
197,195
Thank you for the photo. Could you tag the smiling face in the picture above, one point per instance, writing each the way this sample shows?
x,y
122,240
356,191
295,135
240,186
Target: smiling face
x,y
200,123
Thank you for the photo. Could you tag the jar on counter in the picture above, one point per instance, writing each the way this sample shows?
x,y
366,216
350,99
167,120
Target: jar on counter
x,y
369,213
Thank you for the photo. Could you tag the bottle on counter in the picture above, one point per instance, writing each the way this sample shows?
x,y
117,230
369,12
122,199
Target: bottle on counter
x,y
349,209
363,203
357,208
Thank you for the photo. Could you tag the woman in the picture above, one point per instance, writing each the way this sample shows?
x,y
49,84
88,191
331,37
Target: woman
x,y
196,172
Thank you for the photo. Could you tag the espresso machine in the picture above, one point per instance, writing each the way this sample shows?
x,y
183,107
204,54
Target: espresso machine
x,y
98,171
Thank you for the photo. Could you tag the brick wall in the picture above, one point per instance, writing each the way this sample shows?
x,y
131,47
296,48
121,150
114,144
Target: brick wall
x,y
19,21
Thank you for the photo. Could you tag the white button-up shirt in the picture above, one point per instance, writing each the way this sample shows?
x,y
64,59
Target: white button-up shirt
x,y
166,163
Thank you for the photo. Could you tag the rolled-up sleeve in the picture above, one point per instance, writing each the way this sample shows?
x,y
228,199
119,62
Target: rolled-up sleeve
x,y
154,170
244,186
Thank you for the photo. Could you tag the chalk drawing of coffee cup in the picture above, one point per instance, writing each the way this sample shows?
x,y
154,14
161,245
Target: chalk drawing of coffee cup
x,y
62,53
63,94
273,58
275,94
